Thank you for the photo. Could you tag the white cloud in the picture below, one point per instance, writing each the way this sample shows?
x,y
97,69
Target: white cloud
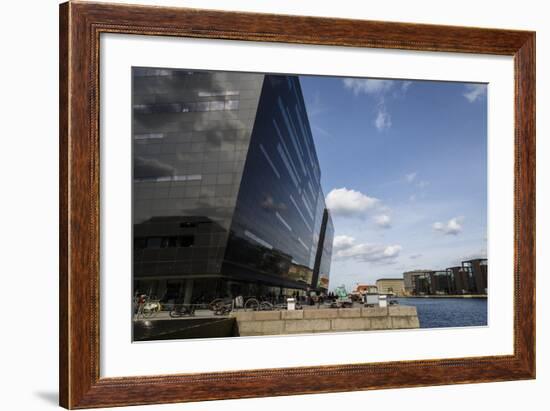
x,y
368,86
347,248
410,177
342,241
383,220
474,91
383,119
422,184
315,107
341,201
415,256
320,130
269,203
379,89
451,227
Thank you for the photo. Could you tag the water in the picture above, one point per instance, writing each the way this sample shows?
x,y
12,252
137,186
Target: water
x,y
449,312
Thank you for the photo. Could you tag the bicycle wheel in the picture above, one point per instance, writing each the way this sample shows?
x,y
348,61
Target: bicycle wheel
x,y
214,304
266,306
251,304
222,310
175,313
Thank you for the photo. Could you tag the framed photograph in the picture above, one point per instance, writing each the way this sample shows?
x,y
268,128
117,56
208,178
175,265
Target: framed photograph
x,y
260,205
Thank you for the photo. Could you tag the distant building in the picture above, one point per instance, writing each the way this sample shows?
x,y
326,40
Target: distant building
x,y
440,283
394,286
468,278
362,289
417,281
461,280
477,271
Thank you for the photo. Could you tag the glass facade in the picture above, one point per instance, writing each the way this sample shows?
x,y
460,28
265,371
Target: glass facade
x,y
324,252
226,187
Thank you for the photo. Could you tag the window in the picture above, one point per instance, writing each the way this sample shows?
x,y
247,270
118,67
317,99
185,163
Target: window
x,y
168,242
186,241
287,164
157,108
292,133
308,208
303,244
285,148
148,136
258,239
218,93
282,220
232,105
164,242
187,225
151,72
269,161
202,106
154,242
217,105
300,212
140,243
186,107
191,177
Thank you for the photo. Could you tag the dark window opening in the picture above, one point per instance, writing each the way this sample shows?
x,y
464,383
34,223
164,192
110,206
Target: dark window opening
x,y
164,242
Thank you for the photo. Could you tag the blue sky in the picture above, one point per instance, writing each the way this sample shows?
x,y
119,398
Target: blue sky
x,y
404,171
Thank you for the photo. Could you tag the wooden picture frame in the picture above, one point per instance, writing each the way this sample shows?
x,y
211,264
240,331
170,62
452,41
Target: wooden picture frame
x,y
81,24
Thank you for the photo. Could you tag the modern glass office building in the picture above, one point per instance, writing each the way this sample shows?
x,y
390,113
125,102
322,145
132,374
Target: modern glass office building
x,y
226,187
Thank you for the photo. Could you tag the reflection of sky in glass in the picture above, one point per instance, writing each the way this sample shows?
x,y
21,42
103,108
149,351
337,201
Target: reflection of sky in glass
x,y
227,160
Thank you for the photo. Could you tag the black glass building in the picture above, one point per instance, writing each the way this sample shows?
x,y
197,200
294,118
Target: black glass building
x,y
226,187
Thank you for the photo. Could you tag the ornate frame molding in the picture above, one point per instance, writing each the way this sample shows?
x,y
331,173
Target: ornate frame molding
x,y
81,24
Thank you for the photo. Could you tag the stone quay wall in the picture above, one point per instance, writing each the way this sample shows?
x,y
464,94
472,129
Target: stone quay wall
x,y
251,323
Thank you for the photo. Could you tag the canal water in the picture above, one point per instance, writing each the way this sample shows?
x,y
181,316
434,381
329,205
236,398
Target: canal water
x,y
449,312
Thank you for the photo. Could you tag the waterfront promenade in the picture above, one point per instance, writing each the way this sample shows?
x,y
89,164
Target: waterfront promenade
x,y
310,319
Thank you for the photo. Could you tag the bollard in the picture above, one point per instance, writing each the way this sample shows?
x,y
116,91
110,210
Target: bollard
x,y
290,304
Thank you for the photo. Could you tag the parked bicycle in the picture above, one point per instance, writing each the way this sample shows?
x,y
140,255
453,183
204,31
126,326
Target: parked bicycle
x,y
223,309
253,304
183,310
218,303
147,307
223,306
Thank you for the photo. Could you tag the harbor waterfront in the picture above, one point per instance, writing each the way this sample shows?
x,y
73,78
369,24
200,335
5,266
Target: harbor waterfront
x,y
411,312
436,312
307,320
